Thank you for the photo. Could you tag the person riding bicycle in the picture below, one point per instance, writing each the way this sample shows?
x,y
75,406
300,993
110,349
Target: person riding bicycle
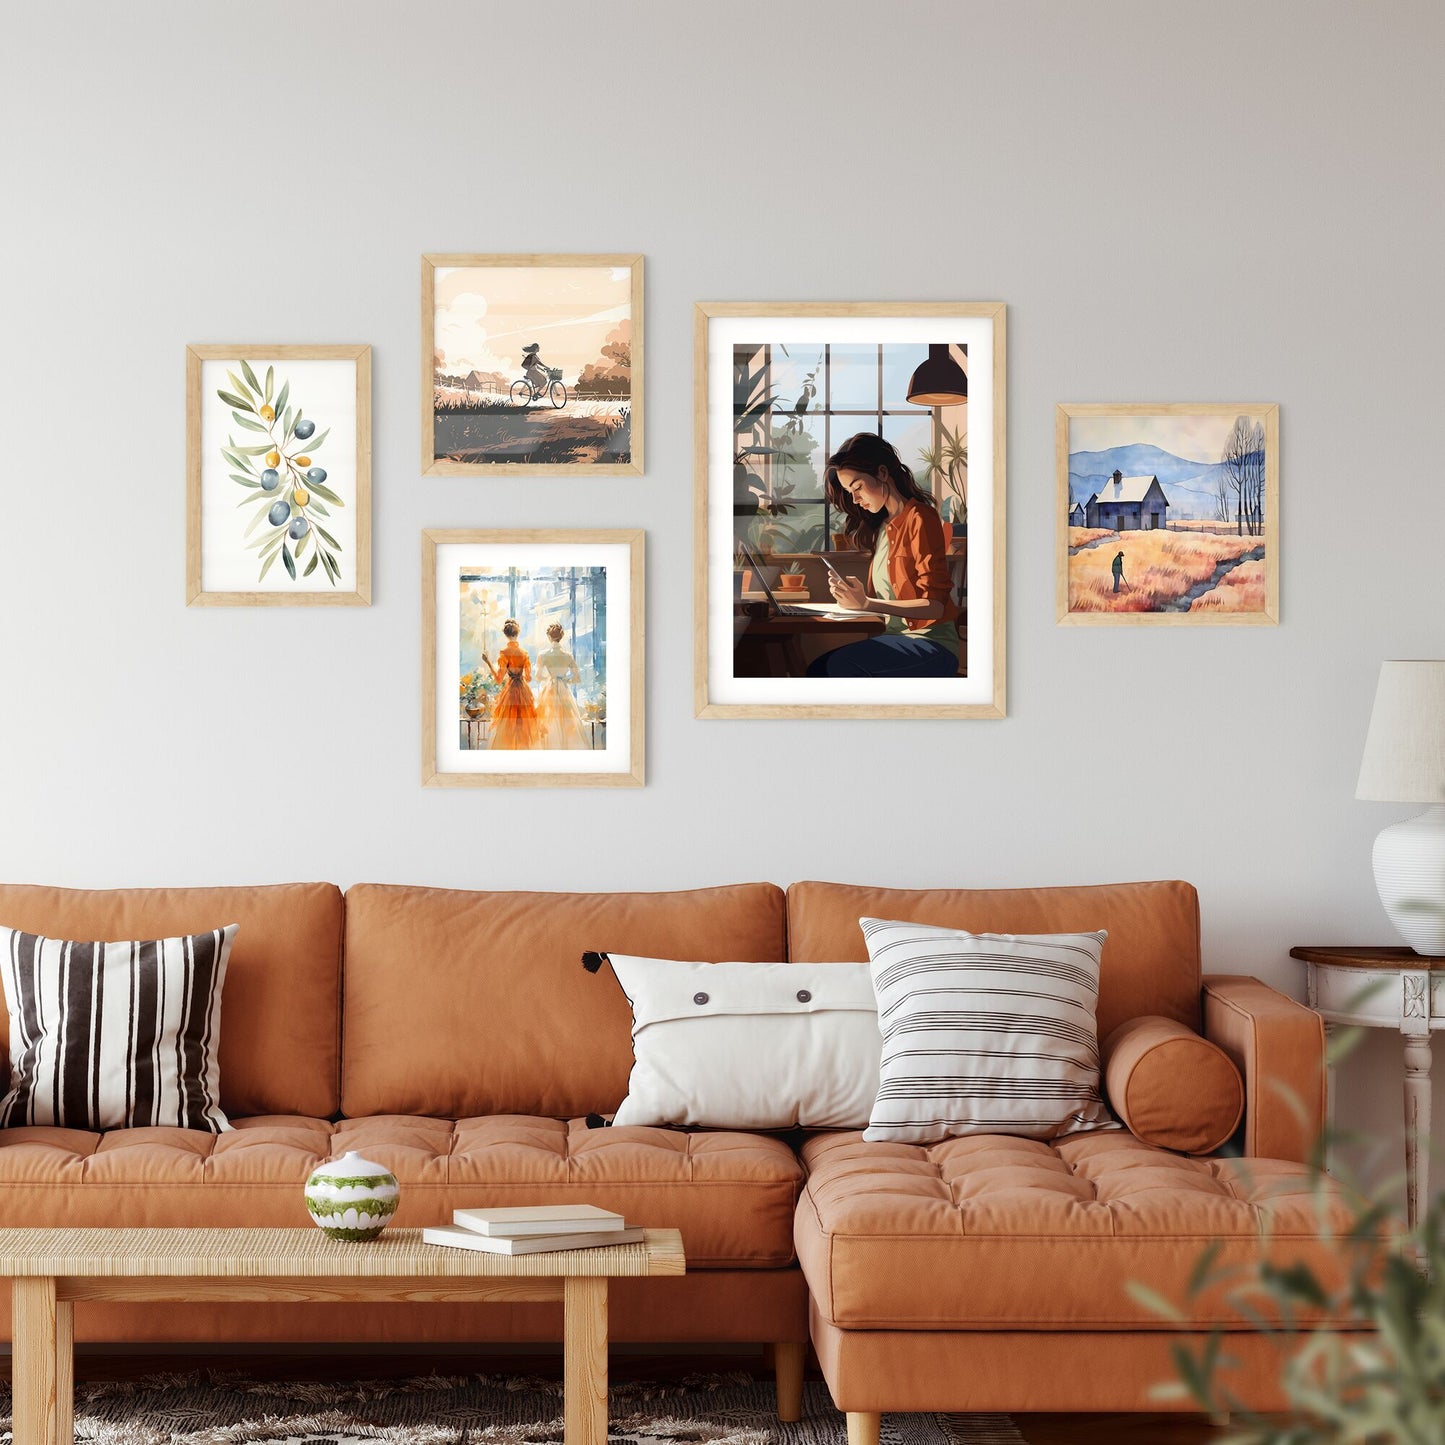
x,y
535,369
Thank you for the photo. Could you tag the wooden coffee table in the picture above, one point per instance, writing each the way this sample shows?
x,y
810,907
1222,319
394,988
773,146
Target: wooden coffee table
x,y
50,1269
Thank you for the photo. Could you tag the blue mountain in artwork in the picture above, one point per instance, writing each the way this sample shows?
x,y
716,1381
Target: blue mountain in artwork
x,y
1189,485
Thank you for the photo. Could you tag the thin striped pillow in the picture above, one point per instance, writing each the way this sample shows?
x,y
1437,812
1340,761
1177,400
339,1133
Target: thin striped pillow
x,y
115,1035
984,1033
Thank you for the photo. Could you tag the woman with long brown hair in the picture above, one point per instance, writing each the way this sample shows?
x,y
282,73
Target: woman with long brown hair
x,y
514,712
891,518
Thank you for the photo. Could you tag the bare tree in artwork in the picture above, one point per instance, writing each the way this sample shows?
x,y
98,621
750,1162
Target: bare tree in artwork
x,y
1243,470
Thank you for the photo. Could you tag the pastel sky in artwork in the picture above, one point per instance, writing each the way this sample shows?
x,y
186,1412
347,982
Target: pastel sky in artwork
x,y
1195,438
485,315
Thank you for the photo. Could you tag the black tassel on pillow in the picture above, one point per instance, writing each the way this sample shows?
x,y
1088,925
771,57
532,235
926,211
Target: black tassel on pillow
x,y
593,961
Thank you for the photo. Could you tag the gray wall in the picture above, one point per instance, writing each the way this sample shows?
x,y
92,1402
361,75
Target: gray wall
x,y
1221,201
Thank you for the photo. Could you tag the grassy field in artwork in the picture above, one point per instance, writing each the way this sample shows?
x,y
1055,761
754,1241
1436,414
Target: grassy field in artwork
x,y
487,429
1166,571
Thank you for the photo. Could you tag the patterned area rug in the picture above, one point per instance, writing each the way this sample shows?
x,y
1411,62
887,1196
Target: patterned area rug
x,y
222,1409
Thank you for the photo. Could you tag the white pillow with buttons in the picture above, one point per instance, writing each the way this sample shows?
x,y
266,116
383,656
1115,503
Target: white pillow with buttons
x,y
750,1045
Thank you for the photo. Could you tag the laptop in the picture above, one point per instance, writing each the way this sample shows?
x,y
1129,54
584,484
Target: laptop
x,y
779,609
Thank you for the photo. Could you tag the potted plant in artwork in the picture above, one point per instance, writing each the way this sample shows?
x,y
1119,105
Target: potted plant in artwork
x,y
792,577
946,467
474,695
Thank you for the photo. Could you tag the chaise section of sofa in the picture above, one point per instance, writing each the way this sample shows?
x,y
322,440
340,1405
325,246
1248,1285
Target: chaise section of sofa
x,y
992,1273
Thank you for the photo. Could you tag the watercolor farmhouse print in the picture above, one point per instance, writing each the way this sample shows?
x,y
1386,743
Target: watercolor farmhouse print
x,y
1168,513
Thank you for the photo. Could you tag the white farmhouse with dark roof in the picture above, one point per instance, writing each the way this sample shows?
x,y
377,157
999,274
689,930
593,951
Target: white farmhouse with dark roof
x,y
1129,504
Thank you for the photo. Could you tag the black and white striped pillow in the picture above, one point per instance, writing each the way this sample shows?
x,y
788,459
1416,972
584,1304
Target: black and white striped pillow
x,y
115,1035
984,1033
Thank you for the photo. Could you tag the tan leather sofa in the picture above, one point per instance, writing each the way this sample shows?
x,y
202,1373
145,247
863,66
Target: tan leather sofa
x,y
454,1037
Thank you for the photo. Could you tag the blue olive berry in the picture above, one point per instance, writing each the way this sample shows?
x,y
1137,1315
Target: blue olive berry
x,y
278,513
316,474
298,529
270,479
304,428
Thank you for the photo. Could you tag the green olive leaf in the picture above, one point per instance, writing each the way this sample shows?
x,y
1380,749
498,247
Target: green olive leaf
x,y
247,423
289,560
231,399
250,376
322,490
270,377
327,535
245,482
314,442
266,566
311,565
239,386
315,506
282,399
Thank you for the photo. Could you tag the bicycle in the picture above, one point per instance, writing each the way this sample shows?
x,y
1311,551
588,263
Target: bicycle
x,y
524,393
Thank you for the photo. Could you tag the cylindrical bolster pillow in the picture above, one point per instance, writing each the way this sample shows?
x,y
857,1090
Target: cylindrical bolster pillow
x,y
1171,1087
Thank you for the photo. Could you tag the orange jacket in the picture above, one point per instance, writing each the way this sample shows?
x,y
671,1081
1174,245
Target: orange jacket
x,y
918,561
513,659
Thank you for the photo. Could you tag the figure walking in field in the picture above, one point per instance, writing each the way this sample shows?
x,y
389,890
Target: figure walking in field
x,y
1119,580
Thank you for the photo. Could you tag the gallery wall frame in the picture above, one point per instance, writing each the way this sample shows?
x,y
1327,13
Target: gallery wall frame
x,y
747,338
492,402
233,432
564,701
1191,537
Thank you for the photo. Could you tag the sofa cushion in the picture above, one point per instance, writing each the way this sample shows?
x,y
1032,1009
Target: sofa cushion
x,y
997,1232
281,1019
1171,1087
1151,962
465,1004
731,1195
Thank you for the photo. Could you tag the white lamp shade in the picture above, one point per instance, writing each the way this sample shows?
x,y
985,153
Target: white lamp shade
x,y
1404,758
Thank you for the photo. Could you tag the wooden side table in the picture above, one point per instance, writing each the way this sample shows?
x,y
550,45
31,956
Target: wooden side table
x,y
1390,988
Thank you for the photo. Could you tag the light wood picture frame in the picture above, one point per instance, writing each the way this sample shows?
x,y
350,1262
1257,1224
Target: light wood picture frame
x,y
561,701
267,523
1167,514
532,363
777,387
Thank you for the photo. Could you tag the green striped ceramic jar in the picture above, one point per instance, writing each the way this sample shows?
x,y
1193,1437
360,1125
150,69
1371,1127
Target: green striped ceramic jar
x,y
351,1198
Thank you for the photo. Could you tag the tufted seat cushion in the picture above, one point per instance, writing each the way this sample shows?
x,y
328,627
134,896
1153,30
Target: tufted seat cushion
x,y
994,1232
732,1195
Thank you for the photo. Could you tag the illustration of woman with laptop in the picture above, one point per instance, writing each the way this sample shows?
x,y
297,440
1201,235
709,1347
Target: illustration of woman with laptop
x,y
514,711
895,522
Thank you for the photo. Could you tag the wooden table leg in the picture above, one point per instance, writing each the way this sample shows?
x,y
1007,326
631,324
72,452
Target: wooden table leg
x,y
34,1362
65,1372
1417,1124
584,1405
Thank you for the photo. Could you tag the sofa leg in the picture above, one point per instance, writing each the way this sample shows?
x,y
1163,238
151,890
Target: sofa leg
x,y
788,1372
863,1427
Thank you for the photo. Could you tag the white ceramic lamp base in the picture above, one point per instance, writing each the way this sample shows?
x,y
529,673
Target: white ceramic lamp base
x,y
1410,874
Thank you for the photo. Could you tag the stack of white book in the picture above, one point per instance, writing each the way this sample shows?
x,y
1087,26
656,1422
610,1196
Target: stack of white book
x,y
533,1229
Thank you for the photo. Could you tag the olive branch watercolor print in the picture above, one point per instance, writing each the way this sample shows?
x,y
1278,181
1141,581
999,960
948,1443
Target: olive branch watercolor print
x,y
289,492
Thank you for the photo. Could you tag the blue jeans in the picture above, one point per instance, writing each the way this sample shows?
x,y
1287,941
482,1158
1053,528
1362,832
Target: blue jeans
x,y
893,654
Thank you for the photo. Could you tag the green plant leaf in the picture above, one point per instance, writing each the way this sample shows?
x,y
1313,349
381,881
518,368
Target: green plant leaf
x,y
254,523
247,423
236,459
250,376
267,565
327,535
245,482
239,386
231,399
282,399
322,490
313,443
311,565
316,507
270,377
289,560
286,419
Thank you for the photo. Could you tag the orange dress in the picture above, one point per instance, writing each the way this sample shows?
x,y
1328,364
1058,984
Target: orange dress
x,y
514,713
